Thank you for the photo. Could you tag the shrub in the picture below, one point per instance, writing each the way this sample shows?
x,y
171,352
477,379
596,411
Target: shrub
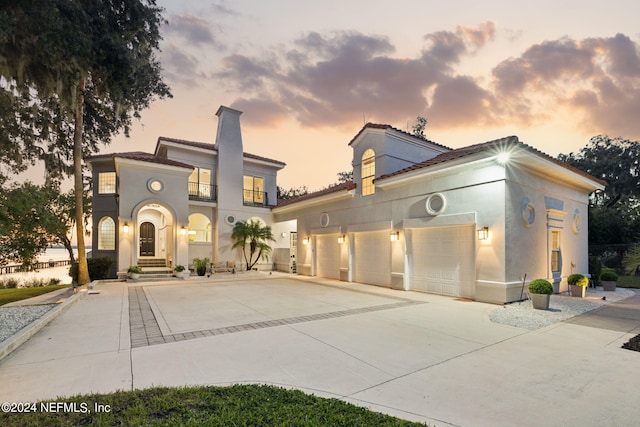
x,y
98,268
541,286
54,281
595,268
34,283
10,283
578,280
135,269
178,268
609,276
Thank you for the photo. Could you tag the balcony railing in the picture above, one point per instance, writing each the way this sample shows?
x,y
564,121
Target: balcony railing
x,y
255,198
203,192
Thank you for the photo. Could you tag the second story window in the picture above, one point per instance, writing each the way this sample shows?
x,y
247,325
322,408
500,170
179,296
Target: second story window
x,y
253,190
107,183
200,184
368,169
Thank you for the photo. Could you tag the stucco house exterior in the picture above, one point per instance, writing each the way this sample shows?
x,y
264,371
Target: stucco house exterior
x,y
468,222
180,202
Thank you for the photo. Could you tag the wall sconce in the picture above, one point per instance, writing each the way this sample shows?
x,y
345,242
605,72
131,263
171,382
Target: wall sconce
x,y
305,241
341,239
394,237
183,231
483,233
125,227
283,234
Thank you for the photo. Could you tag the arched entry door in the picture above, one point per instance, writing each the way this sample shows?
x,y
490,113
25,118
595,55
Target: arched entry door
x,y
147,239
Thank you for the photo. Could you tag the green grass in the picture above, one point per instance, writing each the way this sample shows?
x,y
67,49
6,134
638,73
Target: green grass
x,y
629,282
238,405
17,294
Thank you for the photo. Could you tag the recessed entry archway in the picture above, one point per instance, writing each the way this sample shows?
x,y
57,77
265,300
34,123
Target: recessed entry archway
x,y
155,233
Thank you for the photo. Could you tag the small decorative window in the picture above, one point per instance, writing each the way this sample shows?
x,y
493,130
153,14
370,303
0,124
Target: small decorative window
x,y
555,251
368,169
155,186
106,183
106,234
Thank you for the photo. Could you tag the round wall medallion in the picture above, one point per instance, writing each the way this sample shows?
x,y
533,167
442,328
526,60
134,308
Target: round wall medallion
x,y
230,219
435,204
528,213
155,185
324,219
577,221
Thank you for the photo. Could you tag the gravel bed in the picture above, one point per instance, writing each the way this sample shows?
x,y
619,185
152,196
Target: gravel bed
x,y
12,319
561,307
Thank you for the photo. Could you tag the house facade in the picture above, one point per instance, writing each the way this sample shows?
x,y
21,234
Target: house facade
x,y
182,201
475,222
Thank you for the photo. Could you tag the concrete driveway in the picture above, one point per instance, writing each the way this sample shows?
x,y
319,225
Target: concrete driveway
x,y
417,356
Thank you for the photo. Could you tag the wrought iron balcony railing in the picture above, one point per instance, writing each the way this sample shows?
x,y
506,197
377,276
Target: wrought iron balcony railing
x,y
203,192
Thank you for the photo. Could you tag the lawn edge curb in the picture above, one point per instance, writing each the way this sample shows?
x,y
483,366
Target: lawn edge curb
x,y
24,334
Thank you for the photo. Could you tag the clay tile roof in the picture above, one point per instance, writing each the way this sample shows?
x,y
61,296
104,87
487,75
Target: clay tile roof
x,y
346,186
212,147
144,157
485,146
383,126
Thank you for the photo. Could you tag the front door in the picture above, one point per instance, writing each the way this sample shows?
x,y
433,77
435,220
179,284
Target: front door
x,y
147,239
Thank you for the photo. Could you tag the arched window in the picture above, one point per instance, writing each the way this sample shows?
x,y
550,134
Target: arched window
x,y
106,234
199,228
368,169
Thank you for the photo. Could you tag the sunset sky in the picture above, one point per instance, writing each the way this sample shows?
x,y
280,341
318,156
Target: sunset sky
x,y
308,75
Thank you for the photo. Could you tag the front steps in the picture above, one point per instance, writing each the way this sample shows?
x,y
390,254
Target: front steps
x,y
154,269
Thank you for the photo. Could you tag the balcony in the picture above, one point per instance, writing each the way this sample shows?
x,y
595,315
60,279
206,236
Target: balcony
x,y
203,192
255,198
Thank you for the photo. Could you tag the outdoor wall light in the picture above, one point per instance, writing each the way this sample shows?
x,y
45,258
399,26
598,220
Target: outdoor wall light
x,y
483,233
125,227
394,237
305,241
503,158
183,231
341,239
283,234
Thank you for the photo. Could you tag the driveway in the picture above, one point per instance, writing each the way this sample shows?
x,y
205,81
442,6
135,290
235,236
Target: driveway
x,y
417,356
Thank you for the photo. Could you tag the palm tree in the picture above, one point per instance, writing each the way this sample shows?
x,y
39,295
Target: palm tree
x,y
255,235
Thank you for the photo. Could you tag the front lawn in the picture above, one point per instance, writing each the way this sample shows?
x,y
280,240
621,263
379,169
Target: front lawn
x,y
17,294
238,405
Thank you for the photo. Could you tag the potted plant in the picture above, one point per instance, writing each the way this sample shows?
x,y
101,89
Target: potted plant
x,y
609,280
201,264
180,271
578,284
540,291
134,272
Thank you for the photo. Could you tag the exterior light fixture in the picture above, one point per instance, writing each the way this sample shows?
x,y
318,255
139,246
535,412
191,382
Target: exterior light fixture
x,y
394,237
183,231
125,227
341,239
483,233
503,158
305,241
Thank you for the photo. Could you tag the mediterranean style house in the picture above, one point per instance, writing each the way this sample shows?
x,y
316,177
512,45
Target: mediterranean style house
x,y
471,222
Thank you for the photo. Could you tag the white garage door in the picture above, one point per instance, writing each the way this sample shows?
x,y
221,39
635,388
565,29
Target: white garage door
x,y
372,260
328,256
444,260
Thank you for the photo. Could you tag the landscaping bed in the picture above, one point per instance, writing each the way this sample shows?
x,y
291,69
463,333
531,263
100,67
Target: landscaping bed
x,y
632,344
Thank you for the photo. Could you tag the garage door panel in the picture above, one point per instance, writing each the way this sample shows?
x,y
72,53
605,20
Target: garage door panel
x,y
443,260
372,260
327,257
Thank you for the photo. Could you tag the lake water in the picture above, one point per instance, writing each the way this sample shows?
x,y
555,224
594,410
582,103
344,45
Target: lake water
x,y
61,273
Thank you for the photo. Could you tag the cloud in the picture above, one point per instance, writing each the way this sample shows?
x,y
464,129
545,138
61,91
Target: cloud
x,y
180,67
335,79
595,79
192,29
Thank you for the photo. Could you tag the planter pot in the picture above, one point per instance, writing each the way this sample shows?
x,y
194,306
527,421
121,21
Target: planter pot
x,y
182,274
202,271
609,286
578,291
540,301
134,276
